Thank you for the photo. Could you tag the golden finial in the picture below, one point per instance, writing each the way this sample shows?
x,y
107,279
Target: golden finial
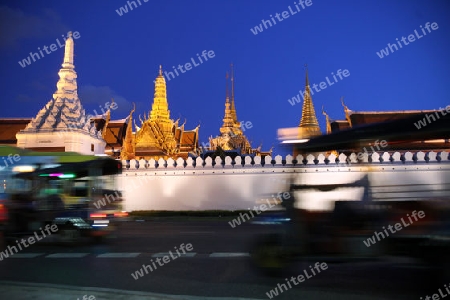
x,y
307,78
160,70
232,82
347,112
227,94
233,106
112,102
327,120
343,104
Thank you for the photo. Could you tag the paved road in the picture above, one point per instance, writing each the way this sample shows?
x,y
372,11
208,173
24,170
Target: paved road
x,y
218,265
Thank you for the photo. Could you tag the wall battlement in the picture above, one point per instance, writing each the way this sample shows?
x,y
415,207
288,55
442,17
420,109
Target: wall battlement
x,y
289,161
207,185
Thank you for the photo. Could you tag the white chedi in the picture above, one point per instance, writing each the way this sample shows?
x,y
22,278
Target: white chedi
x,y
62,122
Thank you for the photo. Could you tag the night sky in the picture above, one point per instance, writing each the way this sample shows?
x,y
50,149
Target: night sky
x,y
119,56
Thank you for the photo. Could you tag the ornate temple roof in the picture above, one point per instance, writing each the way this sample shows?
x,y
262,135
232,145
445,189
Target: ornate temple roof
x,y
158,136
128,144
114,129
339,125
64,111
360,118
9,127
232,138
115,133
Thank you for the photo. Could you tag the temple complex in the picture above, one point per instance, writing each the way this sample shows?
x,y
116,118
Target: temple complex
x,y
62,125
158,136
232,141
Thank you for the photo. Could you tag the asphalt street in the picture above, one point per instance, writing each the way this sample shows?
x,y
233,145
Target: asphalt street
x,y
217,265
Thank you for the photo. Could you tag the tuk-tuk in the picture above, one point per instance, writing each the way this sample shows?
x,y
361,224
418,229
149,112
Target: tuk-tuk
x,y
75,192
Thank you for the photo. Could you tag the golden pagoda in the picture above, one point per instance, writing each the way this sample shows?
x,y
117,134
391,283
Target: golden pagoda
x,y
158,136
232,137
309,126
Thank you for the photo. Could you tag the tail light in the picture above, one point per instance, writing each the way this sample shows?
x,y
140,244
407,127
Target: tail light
x,y
3,213
98,215
121,214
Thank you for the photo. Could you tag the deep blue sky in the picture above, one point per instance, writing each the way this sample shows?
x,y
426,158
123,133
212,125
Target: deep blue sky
x,y
119,56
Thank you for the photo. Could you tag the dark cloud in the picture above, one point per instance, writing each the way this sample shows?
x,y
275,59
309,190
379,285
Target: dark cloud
x,y
16,25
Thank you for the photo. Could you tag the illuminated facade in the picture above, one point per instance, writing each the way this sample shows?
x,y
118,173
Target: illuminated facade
x,y
232,138
158,136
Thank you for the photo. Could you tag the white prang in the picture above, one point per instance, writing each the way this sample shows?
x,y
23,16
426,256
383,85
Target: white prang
x,y
62,122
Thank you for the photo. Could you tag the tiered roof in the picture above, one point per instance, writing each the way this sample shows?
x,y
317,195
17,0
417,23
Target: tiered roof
x,y
64,111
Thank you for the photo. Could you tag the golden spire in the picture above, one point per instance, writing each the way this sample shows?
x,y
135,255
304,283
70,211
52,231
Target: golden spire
x,y
127,152
160,106
227,93
228,121
233,107
308,124
156,136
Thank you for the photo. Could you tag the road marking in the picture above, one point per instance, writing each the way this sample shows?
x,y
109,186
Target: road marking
x,y
228,254
67,255
162,254
198,232
118,255
133,255
26,255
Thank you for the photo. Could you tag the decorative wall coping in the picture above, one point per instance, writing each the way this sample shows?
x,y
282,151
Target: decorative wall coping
x,y
309,160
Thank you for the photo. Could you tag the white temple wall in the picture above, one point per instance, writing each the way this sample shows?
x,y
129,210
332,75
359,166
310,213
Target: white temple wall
x,y
72,141
81,143
230,188
42,139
